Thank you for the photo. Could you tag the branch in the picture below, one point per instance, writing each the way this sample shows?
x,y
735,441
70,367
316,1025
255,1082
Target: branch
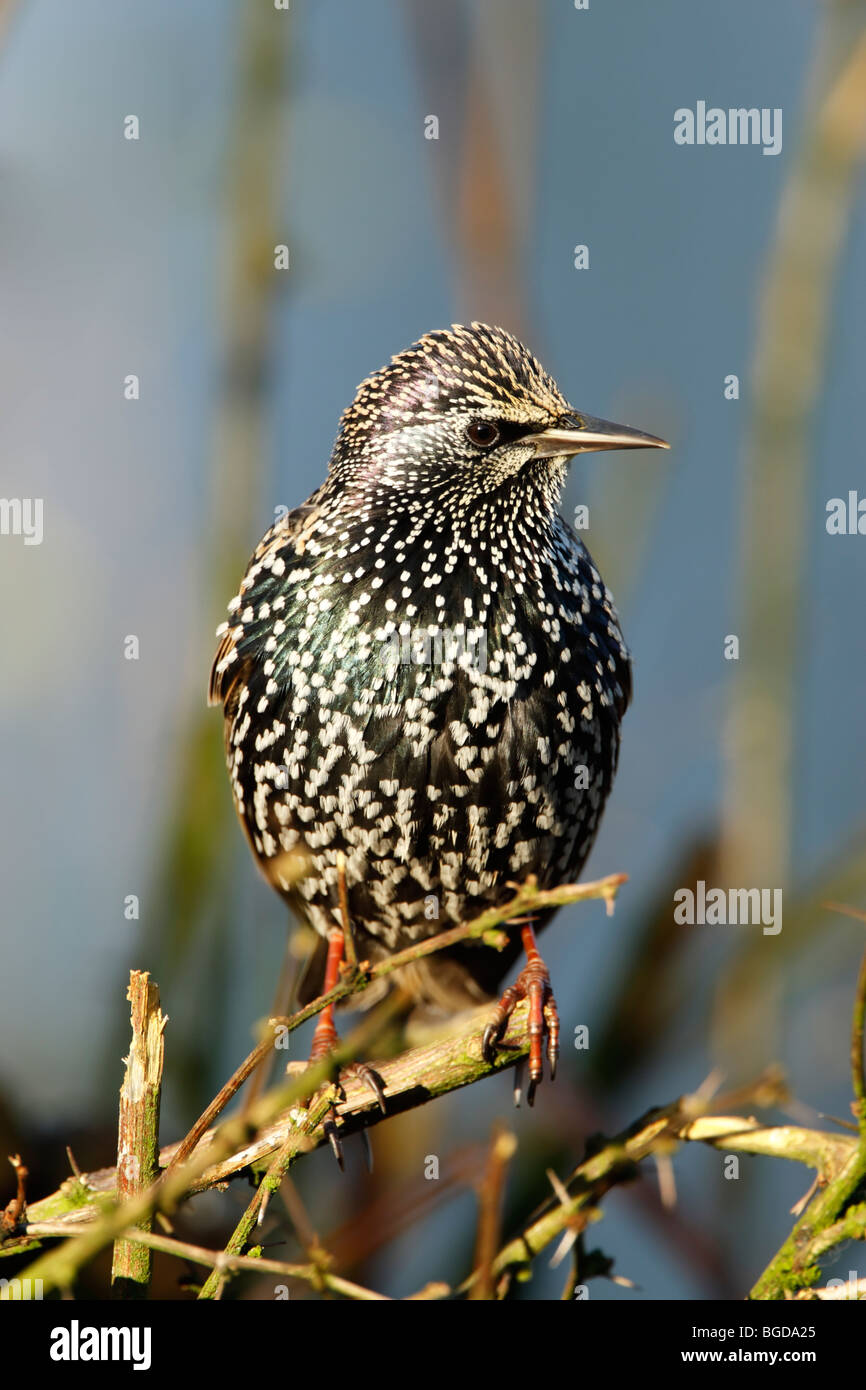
x,y
425,1072
795,1266
816,1148
285,1123
138,1128
616,1160
59,1267
829,1218
14,1212
490,1195
410,1080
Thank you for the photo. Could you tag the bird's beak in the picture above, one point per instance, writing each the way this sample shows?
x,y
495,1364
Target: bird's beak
x,y
581,434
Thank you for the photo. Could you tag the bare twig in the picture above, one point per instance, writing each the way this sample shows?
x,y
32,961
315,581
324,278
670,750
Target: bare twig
x,y
819,1149
58,1267
221,1261
528,897
795,1265
138,1128
280,1126
829,1217
410,1080
613,1162
616,1161
183,1150
277,1170
14,1211
490,1193
356,979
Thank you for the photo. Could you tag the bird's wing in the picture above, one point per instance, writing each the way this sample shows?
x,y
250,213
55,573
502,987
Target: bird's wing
x,y
602,620
227,670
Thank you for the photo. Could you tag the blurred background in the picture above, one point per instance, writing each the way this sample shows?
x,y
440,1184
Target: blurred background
x,y
154,257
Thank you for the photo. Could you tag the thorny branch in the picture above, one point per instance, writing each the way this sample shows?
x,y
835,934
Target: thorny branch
x,y
229,1150
288,1121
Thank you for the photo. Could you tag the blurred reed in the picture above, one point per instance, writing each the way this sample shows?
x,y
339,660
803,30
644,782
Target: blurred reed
x,y
190,929
790,353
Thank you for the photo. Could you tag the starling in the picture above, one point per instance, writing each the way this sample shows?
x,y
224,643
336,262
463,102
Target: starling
x,y
423,674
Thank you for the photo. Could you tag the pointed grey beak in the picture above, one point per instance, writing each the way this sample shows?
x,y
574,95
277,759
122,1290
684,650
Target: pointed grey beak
x,y
581,434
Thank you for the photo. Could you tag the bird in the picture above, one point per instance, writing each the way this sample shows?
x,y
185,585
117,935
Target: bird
x,y
423,676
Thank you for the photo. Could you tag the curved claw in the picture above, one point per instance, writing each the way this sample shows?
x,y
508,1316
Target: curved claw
x,y
551,1019
330,1130
371,1080
533,984
489,1039
496,1026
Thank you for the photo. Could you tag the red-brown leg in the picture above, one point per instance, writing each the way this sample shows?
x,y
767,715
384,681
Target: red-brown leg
x,y
533,983
325,1039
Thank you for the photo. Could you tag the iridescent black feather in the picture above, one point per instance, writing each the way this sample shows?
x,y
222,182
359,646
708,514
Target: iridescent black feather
x,y
444,769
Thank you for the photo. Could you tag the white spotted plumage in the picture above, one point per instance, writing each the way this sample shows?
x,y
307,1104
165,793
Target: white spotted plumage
x,y
447,777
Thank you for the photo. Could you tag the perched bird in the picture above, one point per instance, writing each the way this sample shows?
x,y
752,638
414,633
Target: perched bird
x,y
423,674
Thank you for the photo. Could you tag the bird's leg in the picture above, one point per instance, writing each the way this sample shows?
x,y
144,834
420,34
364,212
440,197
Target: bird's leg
x,y
533,983
325,1039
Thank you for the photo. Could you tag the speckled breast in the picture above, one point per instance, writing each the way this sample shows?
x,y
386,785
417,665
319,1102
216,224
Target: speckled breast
x,y
451,726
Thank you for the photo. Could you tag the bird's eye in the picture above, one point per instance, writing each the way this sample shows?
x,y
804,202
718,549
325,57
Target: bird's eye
x,y
482,433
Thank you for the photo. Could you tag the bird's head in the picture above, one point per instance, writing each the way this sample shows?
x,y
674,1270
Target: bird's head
x,y
468,409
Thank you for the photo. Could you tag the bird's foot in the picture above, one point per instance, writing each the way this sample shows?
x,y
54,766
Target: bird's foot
x,y
533,983
323,1045
325,1041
